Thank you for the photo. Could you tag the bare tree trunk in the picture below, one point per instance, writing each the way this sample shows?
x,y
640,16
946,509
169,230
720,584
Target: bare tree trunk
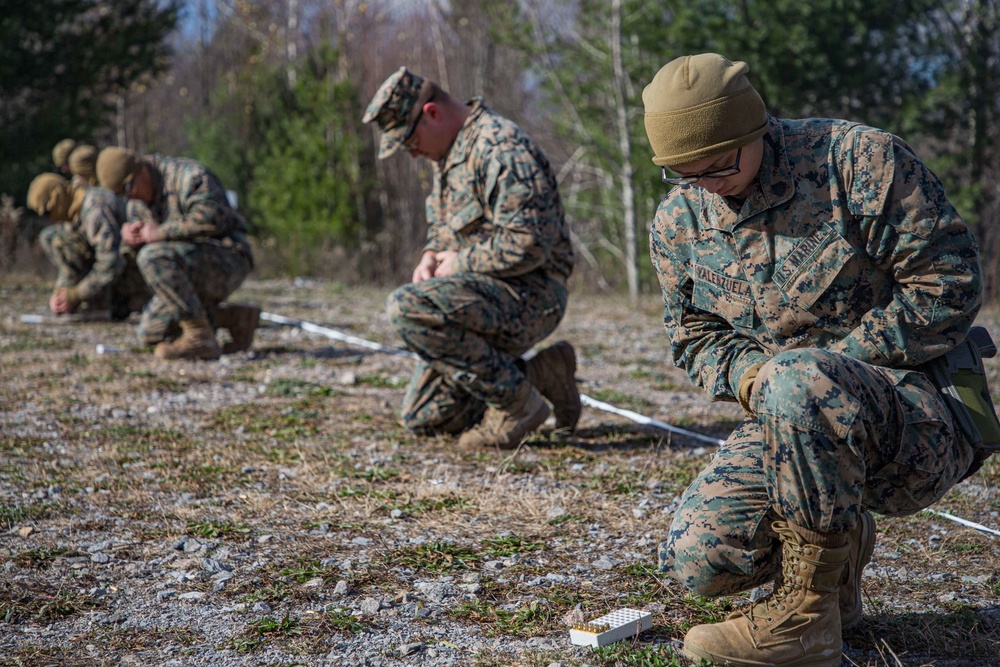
x,y
291,38
625,174
439,46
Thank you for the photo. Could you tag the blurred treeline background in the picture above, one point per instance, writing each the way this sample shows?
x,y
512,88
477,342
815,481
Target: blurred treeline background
x,y
269,95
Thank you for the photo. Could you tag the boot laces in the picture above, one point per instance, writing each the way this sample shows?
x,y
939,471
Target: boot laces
x,y
786,585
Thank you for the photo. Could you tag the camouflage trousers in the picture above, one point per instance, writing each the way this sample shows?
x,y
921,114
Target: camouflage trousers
x,y
469,331
73,257
832,435
189,280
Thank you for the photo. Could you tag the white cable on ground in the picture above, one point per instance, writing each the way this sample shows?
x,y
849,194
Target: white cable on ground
x,y
648,421
964,522
333,333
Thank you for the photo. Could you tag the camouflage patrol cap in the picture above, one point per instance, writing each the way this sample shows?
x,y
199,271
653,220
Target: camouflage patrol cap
x,y
702,105
116,167
50,195
61,151
396,107
83,163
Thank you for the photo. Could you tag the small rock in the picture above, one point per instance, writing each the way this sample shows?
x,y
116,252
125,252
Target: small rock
x,y
264,539
193,596
261,608
396,513
555,512
24,531
370,606
343,588
100,558
361,541
100,546
410,649
605,563
212,565
434,591
98,592
166,594
313,583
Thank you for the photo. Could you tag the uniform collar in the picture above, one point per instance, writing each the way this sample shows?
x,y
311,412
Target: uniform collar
x,y
466,136
774,184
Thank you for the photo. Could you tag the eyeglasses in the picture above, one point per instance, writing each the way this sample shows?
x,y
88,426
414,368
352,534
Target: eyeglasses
x,y
694,178
408,140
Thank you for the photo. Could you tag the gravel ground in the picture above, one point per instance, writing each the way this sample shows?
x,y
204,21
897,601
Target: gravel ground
x,y
268,509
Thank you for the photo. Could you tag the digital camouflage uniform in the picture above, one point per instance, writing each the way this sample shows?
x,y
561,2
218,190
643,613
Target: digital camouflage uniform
x,y
89,255
495,202
843,271
204,256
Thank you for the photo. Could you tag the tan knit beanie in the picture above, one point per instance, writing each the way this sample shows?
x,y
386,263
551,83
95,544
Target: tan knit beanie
x,y
83,163
116,167
698,106
51,196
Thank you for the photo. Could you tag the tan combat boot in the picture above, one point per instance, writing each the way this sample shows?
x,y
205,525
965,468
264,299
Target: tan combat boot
x,y
797,625
553,371
197,341
240,320
861,541
506,427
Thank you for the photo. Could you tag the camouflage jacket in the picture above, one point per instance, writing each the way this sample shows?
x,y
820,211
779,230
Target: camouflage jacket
x,y
496,202
846,243
100,223
191,203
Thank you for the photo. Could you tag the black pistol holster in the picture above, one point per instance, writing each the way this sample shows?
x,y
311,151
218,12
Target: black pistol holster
x,y
960,377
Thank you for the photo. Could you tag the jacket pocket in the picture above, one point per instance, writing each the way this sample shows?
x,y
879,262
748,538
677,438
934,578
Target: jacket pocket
x,y
809,270
468,217
727,297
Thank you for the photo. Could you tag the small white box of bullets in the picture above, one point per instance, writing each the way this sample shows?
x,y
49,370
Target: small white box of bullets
x,y
610,628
